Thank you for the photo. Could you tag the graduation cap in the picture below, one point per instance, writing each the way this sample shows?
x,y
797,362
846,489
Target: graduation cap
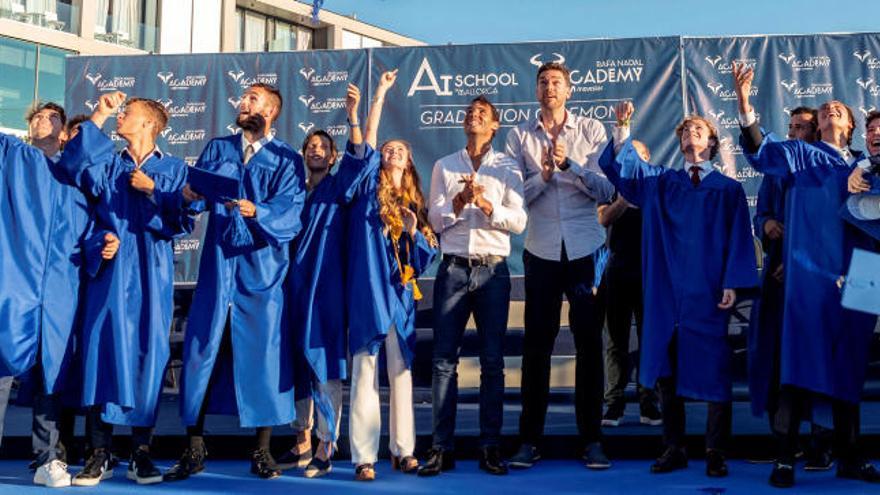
x,y
861,289
863,211
214,187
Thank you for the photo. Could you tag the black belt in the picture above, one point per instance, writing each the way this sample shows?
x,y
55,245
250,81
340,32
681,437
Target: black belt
x,y
472,261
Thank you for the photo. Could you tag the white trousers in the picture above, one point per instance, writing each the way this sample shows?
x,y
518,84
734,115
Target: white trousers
x,y
305,412
365,422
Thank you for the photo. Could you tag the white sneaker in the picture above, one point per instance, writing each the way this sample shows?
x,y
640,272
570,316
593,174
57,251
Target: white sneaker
x,y
53,474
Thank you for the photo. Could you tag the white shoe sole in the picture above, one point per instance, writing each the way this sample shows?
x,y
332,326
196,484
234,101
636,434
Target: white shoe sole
x,y
317,473
91,481
143,481
610,422
53,484
650,422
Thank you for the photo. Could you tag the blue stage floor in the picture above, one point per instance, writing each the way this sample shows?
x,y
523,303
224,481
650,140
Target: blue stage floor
x,y
552,477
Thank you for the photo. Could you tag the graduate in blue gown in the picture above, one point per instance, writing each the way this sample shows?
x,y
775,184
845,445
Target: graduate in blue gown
x,y
390,245
823,354
43,224
315,281
128,301
236,359
697,252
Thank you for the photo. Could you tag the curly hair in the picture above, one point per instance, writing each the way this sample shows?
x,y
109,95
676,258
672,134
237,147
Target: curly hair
x,y
409,195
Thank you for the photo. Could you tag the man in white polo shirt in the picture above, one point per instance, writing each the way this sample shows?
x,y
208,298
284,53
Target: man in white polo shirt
x,y
558,153
476,203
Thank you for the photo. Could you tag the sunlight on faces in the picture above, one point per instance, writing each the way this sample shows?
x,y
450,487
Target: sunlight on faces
x,y
395,155
642,150
835,115
872,136
319,154
135,118
479,119
803,127
45,124
254,101
553,89
696,136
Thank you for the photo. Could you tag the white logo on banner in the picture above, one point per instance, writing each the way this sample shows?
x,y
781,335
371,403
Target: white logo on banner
x,y
714,86
92,105
234,101
866,58
113,84
325,79
185,82
726,66
609,71
233,129
811,91
866,111
306,126
722,120
307,100
459,84
866,85
322,106
537,61
726,145
185,137
723,94
191,160
245,81
809,63
184,110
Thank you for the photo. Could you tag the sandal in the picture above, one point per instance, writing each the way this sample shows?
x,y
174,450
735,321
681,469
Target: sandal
x,y
364,472
406,464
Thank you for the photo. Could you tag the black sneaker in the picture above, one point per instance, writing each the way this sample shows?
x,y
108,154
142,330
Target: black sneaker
x,y
672,459
438,460
782,475
263,465
191,462
864,471
613,415
97,468
819,461
142,469
716,465
595,458
491,462
525,457
650,415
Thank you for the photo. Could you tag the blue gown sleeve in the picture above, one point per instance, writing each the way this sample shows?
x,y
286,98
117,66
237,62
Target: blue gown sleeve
x,y
86,160
633,177
740,266
92,246
768,198
170,219
278,218
791,157
209,154
354,171
422,253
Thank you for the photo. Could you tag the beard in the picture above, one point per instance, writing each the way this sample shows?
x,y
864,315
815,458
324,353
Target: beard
x,y
251,123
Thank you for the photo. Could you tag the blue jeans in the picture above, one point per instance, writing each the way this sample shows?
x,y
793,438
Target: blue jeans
x,y
460,291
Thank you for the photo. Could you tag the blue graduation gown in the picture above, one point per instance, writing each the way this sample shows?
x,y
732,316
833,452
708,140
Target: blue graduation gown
x,y
868,227
696,241
823,347
242,282
128,301
42,225
765,319
316,312
375,296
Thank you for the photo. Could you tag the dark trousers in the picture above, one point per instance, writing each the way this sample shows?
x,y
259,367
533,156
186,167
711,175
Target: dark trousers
x,y
622,294
460,291
719,419
101,432
793,406
545,282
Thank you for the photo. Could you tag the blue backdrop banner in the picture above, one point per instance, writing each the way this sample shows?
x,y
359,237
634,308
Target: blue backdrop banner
x,y
666,78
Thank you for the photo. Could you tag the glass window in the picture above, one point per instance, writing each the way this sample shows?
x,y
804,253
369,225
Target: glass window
x,y
355,40
304,42
18,65
51,82
284,38
131,23
62,15
254,32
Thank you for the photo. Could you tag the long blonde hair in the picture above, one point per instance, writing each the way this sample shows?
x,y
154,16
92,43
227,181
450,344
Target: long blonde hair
x,y
409,195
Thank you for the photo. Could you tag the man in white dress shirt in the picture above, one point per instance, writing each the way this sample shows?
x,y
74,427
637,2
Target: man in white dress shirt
x,y
558,153
476,203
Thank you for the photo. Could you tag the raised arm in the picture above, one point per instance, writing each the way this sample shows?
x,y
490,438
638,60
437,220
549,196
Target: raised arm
x,y
621,163
352,101
385,82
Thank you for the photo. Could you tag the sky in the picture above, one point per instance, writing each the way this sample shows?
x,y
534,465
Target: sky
x,y
439,22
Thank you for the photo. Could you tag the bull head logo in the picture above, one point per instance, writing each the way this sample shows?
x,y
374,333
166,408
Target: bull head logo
x,y
861,55
307,99
713,61
93,78
788,84
786,58
307,72
235,74
537,62
306,126
714,86
165,76
864,84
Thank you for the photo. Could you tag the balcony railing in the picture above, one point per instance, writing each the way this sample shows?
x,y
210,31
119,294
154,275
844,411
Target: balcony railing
x,y
50,14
